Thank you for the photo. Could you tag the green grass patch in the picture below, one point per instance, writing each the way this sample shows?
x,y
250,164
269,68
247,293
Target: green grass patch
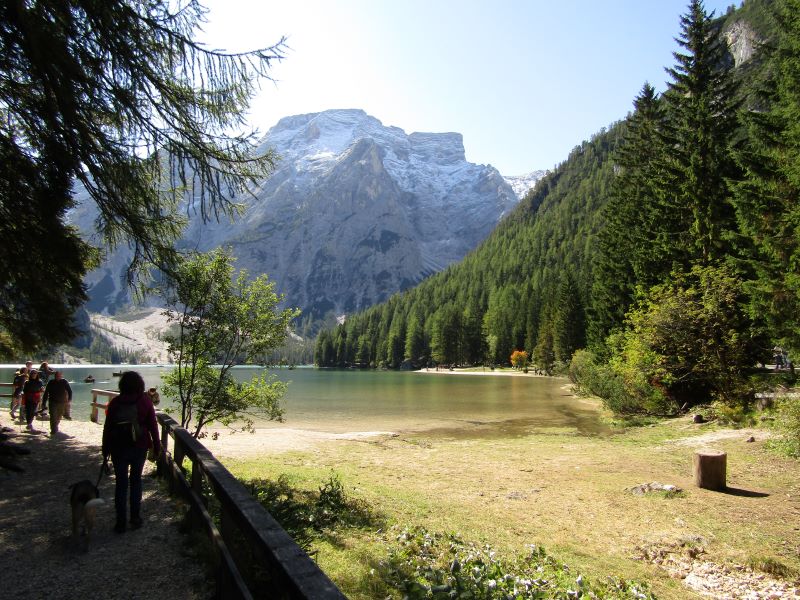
x,y
773,567
308,515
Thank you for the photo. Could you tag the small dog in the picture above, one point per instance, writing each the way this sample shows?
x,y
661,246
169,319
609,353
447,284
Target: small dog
x,y
84,498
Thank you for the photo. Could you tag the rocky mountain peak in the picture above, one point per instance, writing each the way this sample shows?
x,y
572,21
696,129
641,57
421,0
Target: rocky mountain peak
x,y
353,212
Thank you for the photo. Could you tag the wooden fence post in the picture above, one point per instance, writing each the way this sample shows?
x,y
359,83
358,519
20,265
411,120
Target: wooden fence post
x,y
161,461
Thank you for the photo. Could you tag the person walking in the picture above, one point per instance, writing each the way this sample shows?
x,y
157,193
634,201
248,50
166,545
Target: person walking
x,y
59,393
20,377
129,430
44,375
32,393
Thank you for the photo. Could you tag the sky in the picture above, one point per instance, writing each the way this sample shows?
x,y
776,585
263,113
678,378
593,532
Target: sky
x,y
524,81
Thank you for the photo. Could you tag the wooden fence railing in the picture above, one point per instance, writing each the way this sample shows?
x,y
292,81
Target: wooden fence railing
x,y
255,556
96,406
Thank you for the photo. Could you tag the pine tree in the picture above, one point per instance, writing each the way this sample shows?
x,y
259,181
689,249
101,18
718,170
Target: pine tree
x,y
768,198
632,247
415,350
702,116
569,322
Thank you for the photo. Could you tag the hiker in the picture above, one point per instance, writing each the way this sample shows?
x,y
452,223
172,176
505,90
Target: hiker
x,y
32,393
777,357
59,393
20,377
44,375
130,429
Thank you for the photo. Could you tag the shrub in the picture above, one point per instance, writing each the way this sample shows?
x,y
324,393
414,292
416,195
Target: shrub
x,y
788,423
425,565
686,341
623,389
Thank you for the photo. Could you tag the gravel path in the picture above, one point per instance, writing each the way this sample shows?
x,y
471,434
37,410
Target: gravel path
x,y
39,558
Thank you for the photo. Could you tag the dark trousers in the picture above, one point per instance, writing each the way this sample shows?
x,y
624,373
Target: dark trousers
x,y
124,460
30,410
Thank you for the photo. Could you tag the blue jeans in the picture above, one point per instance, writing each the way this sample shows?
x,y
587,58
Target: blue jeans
x,y
124,459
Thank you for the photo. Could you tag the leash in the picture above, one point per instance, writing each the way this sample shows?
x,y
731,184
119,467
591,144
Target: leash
x,y
104,470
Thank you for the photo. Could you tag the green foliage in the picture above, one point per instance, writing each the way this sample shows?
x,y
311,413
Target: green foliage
x,y
308,515
544,357
631,246
569,321
767,198
222,319
596,378
424,565
686,341
788,423
701,105
117,96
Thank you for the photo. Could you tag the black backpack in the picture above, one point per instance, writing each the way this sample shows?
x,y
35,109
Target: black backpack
x,y
125,427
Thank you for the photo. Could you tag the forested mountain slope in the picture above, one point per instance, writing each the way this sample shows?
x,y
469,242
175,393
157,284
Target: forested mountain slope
x,y
506,294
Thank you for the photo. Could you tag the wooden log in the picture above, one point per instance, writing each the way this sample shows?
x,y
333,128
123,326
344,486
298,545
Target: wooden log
x,y
710,469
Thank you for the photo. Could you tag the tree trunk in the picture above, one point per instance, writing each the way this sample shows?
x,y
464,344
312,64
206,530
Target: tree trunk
x,y
709,469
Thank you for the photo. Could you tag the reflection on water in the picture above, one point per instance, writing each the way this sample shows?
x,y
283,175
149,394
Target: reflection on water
x,y
345,400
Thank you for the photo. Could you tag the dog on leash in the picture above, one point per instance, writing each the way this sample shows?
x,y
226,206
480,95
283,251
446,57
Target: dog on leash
x,y
84,498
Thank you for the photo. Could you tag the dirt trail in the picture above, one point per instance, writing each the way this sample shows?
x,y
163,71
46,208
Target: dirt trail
x,y
39,558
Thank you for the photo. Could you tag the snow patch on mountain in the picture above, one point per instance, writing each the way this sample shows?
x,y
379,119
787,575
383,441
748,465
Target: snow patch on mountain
x,y
521,184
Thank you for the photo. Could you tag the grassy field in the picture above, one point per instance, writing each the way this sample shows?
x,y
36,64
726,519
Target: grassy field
x,y
564,492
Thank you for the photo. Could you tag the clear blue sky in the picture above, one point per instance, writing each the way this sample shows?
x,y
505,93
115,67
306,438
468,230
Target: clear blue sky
x,y
524,81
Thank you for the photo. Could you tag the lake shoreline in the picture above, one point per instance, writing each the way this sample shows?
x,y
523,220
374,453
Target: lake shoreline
x,y
470,371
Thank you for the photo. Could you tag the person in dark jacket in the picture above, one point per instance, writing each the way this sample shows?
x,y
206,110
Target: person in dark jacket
x,y
32,393
128,453
20,377
45,371
59,393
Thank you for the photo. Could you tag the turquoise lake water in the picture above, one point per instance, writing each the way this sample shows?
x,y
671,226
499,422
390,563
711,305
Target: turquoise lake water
x,y
347,400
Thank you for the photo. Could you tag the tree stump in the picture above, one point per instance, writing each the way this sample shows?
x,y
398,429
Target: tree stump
x,y
709,469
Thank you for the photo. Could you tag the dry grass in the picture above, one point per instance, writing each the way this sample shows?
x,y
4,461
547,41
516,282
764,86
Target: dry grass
x,y
562,491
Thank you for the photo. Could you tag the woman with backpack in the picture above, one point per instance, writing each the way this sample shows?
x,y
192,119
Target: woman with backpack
x,y
129,430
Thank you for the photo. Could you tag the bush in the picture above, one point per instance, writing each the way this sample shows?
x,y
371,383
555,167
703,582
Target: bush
x,y
686,341
427,565
623,390
788,423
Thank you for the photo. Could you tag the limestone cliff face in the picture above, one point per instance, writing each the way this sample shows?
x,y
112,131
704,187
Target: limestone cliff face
x,y
742,41
353,212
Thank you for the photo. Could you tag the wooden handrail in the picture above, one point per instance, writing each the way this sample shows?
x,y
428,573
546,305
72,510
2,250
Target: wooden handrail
x,y
96,406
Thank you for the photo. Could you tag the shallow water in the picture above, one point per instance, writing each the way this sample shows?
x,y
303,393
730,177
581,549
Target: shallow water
x,y
340,401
